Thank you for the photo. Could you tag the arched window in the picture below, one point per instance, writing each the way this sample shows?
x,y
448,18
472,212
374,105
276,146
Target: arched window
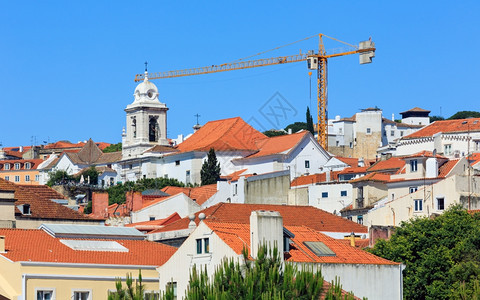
x,y
153,130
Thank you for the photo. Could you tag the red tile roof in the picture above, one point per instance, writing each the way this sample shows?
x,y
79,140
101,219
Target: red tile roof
x,y
393,163
351,161
40,205
223,135
234,176
314,178
423,153
415,109
279,144
199,194
18,245
33,164
63,145
237,236
355,170
447,126
310,216
445,169
374,176
474,158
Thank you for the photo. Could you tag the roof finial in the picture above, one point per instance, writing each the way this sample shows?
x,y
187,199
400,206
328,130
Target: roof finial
x,y
197,115
146,71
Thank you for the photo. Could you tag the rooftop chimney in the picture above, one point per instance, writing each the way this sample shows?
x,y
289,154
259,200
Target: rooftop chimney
x,y
266,228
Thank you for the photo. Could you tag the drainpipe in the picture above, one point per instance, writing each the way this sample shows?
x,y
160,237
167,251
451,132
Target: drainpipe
x,y
393,211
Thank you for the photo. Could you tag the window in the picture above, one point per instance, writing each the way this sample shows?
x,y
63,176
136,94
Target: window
x,y
235,189
151,295
441,203
307,164
401,133
81,295
45,294
152,218
173,286
418,204
360,220
28,166
392,133
324,194
413,165
199,246
7,167
351,145
17,178
17,166
447,149
413,189
37,177
206,245
369,130
177,162
130,166
477,145
27,178
7,178
343,193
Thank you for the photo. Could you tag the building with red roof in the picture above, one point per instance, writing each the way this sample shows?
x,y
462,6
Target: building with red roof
x,y
450,138
212,241
75,261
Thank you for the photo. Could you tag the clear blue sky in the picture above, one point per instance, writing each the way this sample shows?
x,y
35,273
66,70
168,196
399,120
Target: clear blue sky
x,y
67,67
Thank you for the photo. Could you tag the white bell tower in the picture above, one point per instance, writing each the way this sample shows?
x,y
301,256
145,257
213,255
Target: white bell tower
x,y
146,124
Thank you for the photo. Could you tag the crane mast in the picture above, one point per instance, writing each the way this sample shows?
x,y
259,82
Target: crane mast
x,y
317,61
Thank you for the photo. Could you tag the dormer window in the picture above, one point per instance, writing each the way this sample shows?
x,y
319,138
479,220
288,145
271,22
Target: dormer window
x,y
413,165
24,209
7,166
287,236
17,166
28,166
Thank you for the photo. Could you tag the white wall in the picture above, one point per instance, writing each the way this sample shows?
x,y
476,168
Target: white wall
x,y
179,203
334,202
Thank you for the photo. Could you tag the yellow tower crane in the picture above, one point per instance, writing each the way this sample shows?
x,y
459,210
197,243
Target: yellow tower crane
x,y
314,60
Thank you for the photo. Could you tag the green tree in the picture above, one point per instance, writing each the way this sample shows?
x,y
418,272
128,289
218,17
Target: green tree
x,y
116,193
113,148
297,126
210,172
59,177
465,114
272,133
89,175
263,278
436,118
310,121
441,255
137,291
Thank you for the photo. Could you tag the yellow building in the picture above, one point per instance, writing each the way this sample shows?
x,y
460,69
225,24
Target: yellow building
x,y
20,171
75,261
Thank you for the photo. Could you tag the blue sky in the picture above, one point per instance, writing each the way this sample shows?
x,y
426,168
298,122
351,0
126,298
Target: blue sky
x,y
67,67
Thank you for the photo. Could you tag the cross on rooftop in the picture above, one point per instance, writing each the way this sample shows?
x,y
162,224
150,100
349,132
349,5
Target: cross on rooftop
x,y
197,115
146,64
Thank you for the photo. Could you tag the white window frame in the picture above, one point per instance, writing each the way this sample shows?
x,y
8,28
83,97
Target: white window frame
x,y
42,289
346,193
37,177
28,166
27,178
307,164
16,166
413,165
82,291
6,166
438,207
447,149
412,189
417,205
7,178
17,178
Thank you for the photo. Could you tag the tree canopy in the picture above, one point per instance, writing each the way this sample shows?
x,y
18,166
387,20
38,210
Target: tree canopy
x,y
272,133
442,255
210,172
310,121
113,148
297,126
465,114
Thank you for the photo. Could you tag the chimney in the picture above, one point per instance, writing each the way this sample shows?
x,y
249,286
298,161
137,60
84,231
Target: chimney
x,y
2,244
289,130
99,204
266,228
352,239
137,201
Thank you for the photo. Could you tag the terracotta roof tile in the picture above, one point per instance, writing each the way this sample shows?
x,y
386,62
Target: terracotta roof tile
x,y
474,158
393,163
18,245
355,170
310,216
416,109
314,178
445,169
199,194
223,135
234,176
374,176
279,144
40,205
423,153
237,236
447,126
351,161
33,164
